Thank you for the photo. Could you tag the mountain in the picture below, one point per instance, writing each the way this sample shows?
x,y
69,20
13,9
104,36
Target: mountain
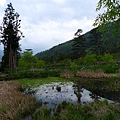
x,y
90,42
61,48
64,48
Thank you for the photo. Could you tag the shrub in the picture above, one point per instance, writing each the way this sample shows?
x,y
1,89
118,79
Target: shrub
x,y
73,67
90,59
107,58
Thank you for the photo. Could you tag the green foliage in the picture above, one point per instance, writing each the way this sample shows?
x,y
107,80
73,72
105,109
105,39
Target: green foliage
x,y
73,67
39,81
42,114
63,48
98,110
10,37
32,74
40,64
112,11
27,61
90,43
107,58
109,20
90,59
79,61
78,47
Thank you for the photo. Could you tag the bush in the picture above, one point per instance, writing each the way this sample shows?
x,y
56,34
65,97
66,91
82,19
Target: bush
x,y
35,74
107,58
73,67
90,59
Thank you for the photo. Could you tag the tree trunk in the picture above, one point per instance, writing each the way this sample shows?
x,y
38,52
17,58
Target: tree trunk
x,y
12,60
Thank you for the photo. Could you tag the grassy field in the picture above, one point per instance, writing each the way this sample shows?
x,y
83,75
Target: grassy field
x,y
39,81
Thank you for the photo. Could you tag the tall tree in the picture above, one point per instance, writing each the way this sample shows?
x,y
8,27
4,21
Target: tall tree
x,y
95,41
27,61
10,37
78,48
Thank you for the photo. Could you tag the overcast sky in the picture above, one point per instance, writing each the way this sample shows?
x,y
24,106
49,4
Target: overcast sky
x,y
46,23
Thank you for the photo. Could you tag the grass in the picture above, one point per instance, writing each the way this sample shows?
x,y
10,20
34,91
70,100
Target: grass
x,y
36,82
14,104
98,110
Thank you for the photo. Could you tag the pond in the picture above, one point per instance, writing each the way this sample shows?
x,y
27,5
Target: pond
x,y
55,93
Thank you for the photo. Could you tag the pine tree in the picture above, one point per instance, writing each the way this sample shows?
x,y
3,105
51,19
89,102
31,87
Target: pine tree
x,y
95,41
78,48
10,37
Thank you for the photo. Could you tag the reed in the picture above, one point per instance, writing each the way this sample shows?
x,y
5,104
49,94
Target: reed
x,y
13,103
67,74
118,72
92,74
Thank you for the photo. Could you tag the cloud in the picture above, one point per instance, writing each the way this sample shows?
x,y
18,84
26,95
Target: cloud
x,y
46,23
49,33
59,1
2,2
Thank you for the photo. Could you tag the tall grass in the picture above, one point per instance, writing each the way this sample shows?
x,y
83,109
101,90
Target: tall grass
x,y
13,103
118,72
67,74
99,73
92,74
98,110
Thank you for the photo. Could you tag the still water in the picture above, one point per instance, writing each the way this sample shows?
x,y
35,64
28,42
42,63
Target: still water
x,y
55,93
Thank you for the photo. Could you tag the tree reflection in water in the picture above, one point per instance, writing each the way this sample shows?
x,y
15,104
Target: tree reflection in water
x,y
77,91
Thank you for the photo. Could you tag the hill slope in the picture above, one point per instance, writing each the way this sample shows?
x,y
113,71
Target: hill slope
x,y
93,44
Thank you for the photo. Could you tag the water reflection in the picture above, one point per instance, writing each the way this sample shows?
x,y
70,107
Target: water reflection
x,y
55,93
78,91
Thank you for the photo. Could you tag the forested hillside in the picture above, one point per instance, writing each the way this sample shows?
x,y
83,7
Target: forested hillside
x,y
92,42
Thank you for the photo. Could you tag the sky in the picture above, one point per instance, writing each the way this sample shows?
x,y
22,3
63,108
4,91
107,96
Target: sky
x,y
47,23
